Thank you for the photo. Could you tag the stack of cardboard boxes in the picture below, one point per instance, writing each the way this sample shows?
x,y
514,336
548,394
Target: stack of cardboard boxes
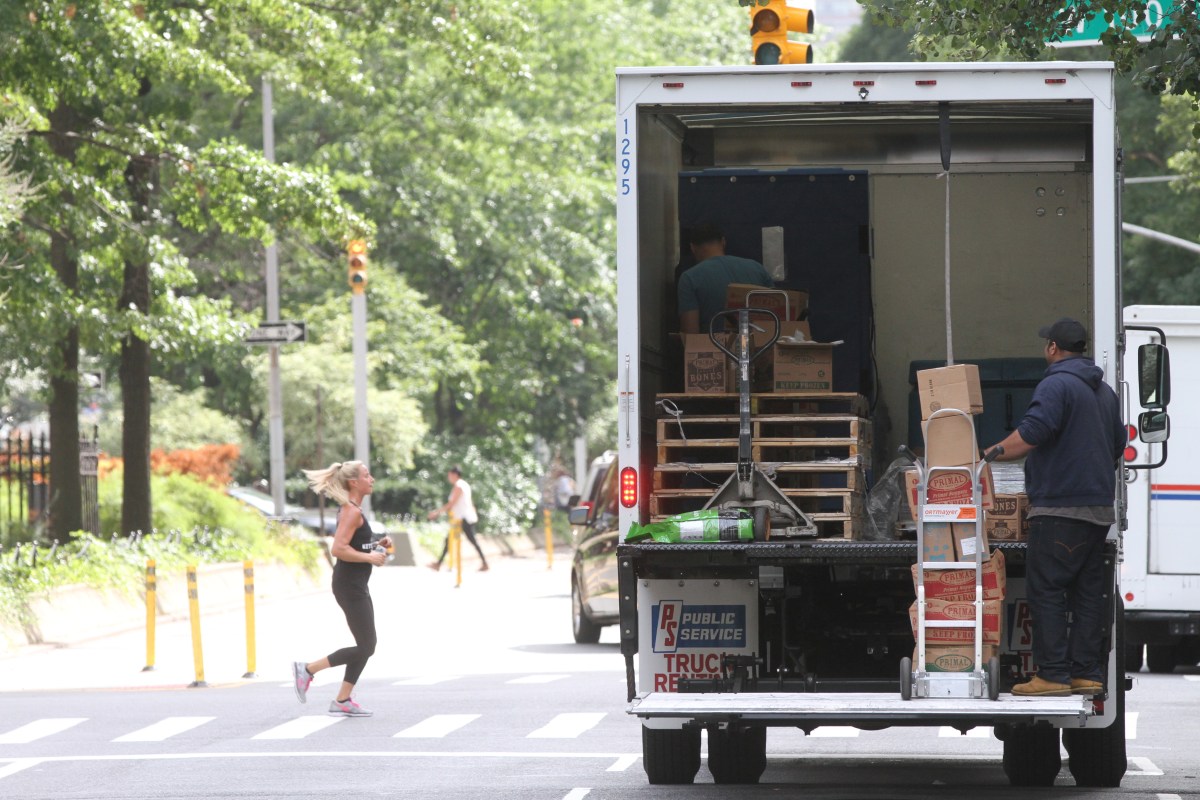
x,y
794,364
950,594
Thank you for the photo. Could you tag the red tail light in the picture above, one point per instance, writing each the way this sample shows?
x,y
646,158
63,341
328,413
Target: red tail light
x,y
1130,433
1131,453
629,487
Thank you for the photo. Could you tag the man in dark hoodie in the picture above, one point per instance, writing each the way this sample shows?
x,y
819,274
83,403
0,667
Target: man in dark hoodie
x,y
1072,437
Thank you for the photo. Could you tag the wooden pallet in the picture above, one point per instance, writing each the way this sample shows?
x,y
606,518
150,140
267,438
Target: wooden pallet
x,y
821,502
830,476
848,403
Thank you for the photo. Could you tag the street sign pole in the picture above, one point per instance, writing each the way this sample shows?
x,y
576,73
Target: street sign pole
x,y
362,442
274,389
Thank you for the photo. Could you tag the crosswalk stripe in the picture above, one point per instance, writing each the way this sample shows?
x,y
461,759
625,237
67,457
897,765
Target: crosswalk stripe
x,y
538,679
1131,718
426,680
298,728
39,729
164,729
835,732
436,726
974,733
567,726
1191,677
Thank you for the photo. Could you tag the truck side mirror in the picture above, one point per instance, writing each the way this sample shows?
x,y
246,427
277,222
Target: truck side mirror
x,y
1154,377
1154,426
580,515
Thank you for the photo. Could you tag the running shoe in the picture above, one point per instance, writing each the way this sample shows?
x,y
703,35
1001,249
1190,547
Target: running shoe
x,y
303,680
348,708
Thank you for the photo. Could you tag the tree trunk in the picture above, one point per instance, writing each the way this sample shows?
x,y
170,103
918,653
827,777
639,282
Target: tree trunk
x,y
66,498
135,363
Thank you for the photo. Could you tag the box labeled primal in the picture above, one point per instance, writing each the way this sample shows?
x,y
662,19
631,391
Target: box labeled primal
x,y
706,368
959,584
959,611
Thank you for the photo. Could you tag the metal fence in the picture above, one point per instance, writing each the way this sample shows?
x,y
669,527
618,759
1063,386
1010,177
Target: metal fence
x,y
25,490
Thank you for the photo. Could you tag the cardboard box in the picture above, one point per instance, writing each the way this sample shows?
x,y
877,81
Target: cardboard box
x,y
763,367
959,584
803,367
938,542
948,488
788,304
960,611
1005,530
965,542
955,386
950,441
706,368
954,658
1010,507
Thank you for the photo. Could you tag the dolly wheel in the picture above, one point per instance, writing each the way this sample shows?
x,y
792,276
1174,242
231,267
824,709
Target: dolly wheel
x,y
762,524
906,678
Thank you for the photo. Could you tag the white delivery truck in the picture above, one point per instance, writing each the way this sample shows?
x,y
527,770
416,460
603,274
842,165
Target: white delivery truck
x,y
1160,571
922,213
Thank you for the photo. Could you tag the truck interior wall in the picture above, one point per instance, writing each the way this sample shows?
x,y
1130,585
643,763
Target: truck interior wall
x,y
1019,255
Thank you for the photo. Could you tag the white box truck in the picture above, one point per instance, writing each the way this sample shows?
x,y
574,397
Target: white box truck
x,y
1160,571
931,213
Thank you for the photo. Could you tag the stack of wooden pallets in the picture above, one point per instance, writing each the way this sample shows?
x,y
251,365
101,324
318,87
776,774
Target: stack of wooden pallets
x,y
816,447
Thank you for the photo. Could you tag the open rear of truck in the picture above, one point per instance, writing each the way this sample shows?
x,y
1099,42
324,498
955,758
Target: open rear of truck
x,y
834,176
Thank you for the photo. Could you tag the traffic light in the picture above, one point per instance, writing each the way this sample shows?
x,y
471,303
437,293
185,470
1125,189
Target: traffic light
x,y
769,25
356,262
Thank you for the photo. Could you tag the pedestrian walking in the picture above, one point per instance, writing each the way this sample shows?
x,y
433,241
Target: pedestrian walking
x,y
356,551
1073,439
461,506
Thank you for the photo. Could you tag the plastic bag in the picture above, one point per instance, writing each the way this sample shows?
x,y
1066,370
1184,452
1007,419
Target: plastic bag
x,y
707,525
883,502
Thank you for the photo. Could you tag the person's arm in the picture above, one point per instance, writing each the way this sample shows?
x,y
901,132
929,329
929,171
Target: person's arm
x,y
348,522
689,305
1014,447
455,493
689,322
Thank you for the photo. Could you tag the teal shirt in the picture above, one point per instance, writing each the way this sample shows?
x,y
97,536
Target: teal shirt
x,y
702,288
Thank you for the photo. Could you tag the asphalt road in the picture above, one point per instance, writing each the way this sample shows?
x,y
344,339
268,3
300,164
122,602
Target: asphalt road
x,y
478,693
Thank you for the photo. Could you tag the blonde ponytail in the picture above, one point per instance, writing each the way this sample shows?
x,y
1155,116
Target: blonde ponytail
x,y
334,480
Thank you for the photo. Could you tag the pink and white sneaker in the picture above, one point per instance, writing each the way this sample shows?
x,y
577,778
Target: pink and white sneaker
x,y
303,680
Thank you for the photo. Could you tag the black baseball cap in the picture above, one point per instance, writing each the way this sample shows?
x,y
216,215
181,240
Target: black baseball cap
x,y
1067,333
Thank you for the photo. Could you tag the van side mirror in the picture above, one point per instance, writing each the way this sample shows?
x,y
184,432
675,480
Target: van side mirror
x,y
1154,426
1154,378
580,515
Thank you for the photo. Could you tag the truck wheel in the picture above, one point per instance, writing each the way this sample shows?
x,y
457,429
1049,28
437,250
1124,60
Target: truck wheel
x,y
1097,755
906,678
737,756
1134,652
585,631
1031,756
1160,657
671,756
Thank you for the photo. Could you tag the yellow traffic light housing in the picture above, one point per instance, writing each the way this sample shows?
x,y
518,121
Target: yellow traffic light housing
x,y
769,25
356,263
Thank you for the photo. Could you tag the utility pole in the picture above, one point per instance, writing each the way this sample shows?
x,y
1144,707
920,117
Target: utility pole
x,y
274,390
356,253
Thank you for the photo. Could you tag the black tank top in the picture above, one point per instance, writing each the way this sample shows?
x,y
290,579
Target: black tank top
x,y
357,573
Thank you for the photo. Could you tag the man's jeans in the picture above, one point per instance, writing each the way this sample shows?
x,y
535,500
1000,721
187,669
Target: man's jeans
x,y
1065,573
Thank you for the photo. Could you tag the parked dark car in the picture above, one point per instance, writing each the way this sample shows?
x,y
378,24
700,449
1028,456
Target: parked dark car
x,y
594,529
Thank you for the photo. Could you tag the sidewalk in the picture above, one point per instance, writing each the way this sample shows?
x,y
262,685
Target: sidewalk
x,y
422,618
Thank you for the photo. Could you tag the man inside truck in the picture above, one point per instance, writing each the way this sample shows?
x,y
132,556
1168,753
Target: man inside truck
x,y
1072,439
701,290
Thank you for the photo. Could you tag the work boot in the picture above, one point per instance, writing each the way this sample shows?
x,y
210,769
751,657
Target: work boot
x,y
1086,686
1038,687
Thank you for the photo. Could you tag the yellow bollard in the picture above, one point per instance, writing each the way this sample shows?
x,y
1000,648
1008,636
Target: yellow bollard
x,y
456,546
194,613
248,573
549,539
151,613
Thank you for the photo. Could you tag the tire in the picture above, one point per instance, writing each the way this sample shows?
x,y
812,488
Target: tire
x,y
1160,657
906,678
737,756
1097,755
585,631
1031,756
671,756
993,678
1134,653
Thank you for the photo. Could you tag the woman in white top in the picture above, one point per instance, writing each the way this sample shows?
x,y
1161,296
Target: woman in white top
x,y
459,505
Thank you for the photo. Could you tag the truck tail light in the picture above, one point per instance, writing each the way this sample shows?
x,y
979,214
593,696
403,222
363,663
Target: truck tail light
x,y
1131,453
629,487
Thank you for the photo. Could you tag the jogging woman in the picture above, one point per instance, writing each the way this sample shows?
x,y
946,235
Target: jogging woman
x,y
347,483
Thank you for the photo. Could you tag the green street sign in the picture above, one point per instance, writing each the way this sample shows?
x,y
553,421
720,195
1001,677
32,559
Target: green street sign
x,y
1089,31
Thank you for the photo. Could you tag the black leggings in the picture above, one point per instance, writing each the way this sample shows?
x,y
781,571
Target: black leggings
x,y
360,616
469,529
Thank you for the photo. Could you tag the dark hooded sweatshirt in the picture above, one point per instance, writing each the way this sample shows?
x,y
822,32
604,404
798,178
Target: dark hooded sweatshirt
x,y
1074,423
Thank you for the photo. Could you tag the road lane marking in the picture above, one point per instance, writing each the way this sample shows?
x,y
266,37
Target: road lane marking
x,y
39,729
1131,718
164,729
298,728
623,763
567,726
1191,677
835,732
974,733
1169,797
538,679
426,680
1144,766
576,794
436,726
18,764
